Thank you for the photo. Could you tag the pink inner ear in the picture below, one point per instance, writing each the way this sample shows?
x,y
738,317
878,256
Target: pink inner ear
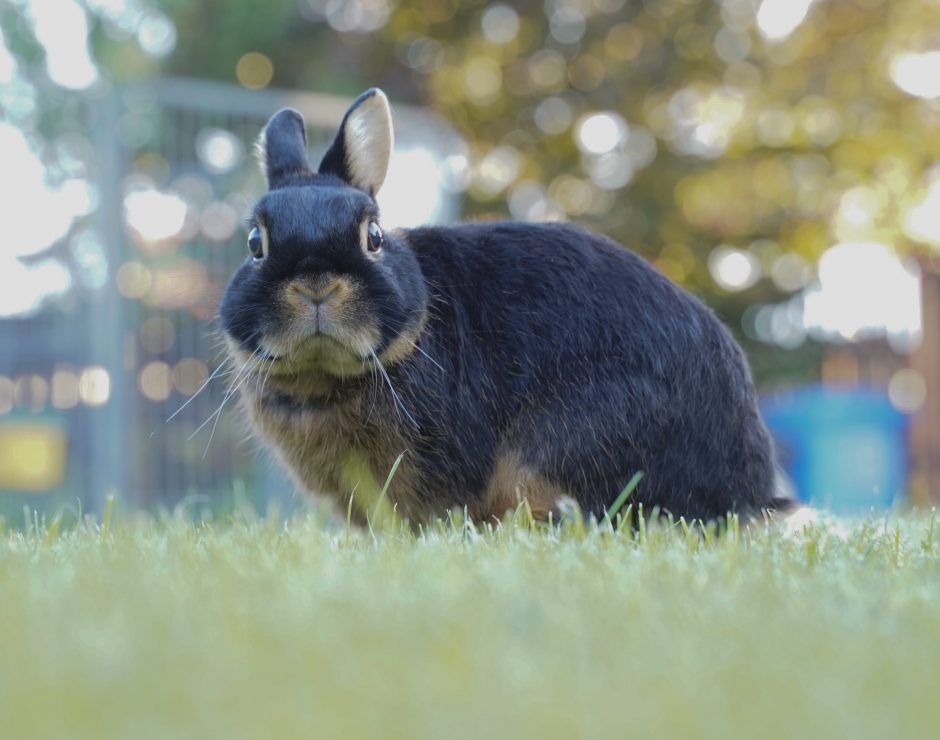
x,y
369,141
362,147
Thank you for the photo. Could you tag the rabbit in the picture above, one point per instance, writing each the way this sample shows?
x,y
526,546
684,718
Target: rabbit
x,y
489,364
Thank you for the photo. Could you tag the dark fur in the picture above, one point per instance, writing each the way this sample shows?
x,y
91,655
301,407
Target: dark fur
x,y
542,341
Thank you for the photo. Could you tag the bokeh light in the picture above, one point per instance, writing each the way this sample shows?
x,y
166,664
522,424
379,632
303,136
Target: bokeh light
x,y
156,34
599,133
219,150
134,279
917,74
411,194
94,385
553,115
218,221
62,29
189,375
157,334
30,192
777,19
865,289
156,381
65,388
922,221
497,170
254,70
156,216
733,269
500,23
907,390
6,394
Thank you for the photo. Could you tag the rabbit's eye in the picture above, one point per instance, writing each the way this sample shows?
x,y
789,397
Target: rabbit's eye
x,y
255,244
374,243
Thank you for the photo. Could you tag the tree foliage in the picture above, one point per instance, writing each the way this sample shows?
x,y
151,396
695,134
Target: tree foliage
x,y
693,131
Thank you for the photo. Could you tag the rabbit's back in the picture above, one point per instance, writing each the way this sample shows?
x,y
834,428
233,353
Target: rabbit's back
x,y
556,362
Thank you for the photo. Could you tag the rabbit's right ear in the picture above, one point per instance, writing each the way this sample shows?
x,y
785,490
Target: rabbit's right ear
x,y
360,152
282,148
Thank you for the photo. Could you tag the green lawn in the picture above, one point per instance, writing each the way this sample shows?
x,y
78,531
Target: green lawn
x,y
148,629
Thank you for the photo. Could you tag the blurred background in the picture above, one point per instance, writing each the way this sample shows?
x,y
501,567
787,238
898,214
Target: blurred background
x,y
779,158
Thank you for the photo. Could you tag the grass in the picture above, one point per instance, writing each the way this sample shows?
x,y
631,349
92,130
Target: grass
x,y
153,629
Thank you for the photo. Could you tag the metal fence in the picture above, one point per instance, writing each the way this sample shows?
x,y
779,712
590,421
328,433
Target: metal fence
x,y
105,383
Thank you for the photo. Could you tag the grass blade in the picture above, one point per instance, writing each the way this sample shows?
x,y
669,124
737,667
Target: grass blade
x,y
624,495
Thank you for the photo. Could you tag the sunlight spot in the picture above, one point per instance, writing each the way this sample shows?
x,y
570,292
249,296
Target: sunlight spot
x,y
411,195
155,215
922,221
733,269
599,133
62,29
134,280
497,170
790,272
907,390
917,74
156,34
28,192
65,388
553,115
6,394
219,150
24,287
157,334
94,386
254,70
777,19
7,62
156,381
189,374
703,122
865,289
500,23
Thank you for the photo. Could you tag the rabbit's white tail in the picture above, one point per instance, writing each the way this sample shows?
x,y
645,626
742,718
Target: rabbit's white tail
x,y
797,520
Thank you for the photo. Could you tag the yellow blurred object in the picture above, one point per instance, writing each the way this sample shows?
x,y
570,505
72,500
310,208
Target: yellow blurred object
x,y
32,456
254,70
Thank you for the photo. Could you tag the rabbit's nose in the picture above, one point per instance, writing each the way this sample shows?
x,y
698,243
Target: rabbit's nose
x,y
317,293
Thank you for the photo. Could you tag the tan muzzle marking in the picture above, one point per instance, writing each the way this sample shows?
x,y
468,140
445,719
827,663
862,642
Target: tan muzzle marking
x,y
320,290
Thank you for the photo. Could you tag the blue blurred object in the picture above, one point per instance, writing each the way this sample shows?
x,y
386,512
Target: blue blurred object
x,y
845,450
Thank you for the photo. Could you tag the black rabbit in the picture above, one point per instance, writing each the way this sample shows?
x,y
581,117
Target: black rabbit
x,y
496,362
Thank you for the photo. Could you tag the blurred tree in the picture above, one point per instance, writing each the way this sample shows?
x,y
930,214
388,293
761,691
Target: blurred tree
x,y
729,141
779,128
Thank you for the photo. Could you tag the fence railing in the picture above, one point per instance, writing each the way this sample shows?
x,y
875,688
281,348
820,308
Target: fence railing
x,y
175,175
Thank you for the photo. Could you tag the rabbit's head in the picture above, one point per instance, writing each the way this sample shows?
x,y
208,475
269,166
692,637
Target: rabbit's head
x,y
324,293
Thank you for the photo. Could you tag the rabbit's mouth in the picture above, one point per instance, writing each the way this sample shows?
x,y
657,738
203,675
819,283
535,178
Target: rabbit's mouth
x,y
317,353
322,324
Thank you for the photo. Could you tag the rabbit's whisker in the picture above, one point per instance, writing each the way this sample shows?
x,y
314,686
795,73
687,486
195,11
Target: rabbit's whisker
x,y
375,394
397,401
252,367
236,383
267,374
430,359
201,388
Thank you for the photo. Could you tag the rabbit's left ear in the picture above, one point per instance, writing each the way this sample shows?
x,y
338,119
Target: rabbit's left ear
x,y
360,152
282,149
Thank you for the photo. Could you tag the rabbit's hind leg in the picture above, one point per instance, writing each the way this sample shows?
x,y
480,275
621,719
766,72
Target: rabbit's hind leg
x,y
513,481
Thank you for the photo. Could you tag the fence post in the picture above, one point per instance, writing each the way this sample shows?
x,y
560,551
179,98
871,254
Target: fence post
x,y
925,432
111,424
